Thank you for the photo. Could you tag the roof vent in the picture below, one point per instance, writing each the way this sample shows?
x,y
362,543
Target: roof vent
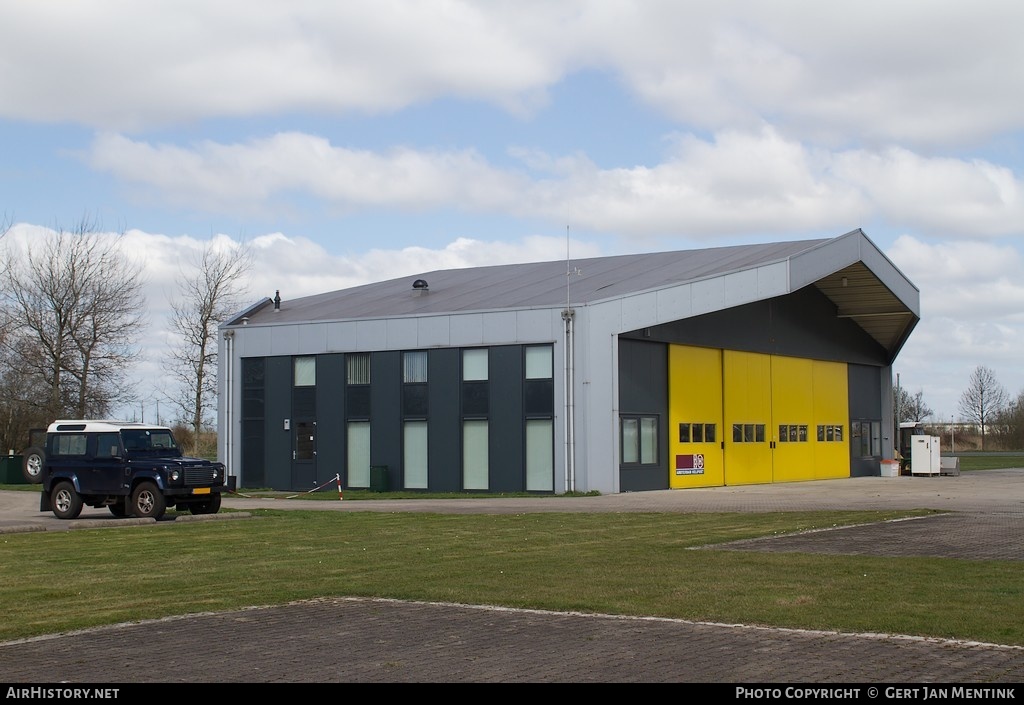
x,y
277,300
420,284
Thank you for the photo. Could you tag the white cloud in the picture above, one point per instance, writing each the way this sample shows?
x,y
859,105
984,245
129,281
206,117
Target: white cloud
x,y
123,65
736,182
972,313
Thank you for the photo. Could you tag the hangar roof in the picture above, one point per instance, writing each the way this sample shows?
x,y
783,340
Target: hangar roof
x,y
850,270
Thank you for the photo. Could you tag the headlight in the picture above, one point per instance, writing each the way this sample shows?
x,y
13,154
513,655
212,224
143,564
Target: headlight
x,y
174,475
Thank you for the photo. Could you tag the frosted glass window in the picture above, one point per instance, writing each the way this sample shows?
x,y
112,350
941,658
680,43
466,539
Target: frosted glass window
x,y
414,366
414,459
630,440
475,475
540,455
305,371
474,365
358,460
648,440
640,439
538,362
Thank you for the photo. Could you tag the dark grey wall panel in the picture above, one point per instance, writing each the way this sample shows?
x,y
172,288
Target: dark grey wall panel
x,y
386,413
801,324
506,424
444,427
865,402
279,440
865,391
643,389
330,418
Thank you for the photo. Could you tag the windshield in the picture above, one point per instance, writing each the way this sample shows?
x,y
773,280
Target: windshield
x,y
148,439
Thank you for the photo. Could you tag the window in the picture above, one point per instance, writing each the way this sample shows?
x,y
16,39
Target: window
x,y
538,362
639,440
358,449
414,367
748,433
865,439
697,433
474,365
108,445
69,444
539,386
540,455
357,368
414,458
475,387
792,433
305,371
414,387
828,433
357,386
475,467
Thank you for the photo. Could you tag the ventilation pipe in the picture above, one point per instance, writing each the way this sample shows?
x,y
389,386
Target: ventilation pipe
x,y
277,300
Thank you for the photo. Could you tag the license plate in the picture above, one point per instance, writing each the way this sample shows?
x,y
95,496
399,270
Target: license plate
x,y
201,490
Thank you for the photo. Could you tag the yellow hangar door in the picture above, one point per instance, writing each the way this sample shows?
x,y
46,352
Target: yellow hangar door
x,y
695,417
792,429
832,420
747,416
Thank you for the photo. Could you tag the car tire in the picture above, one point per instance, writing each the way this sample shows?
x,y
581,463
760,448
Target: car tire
x,y
118,509
212,506
65,501
148,501
32,465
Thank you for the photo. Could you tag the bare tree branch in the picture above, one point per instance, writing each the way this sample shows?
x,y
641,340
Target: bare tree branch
x,y
75,313
205,299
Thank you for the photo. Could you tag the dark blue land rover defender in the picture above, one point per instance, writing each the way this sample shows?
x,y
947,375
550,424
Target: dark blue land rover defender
x,y
133,469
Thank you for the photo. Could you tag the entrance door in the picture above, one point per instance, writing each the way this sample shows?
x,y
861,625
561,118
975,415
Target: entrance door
x,y
304,455
695,417
748,414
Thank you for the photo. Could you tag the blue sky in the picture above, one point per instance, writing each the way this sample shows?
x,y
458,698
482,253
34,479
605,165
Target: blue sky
x,y
359,141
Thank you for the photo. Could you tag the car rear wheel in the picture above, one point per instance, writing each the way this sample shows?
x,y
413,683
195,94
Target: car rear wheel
x,y
66,503
148,502
32,465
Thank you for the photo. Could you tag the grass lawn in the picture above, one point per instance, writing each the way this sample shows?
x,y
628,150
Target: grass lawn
x,y
629,563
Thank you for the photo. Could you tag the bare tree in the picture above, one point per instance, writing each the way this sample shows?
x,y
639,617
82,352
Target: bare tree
x,y
75,310
205,299
983,400
916,409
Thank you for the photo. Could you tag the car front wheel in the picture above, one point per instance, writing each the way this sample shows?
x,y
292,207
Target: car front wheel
x,y
66,503
148,502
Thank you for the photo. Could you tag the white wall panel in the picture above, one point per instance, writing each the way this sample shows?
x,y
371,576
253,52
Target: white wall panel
x,y
312,338
499,327
402,334
708,295
286,340
371,335
739,288
535,324
341,337
639,311
772,280
433,332
467,329
674,303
